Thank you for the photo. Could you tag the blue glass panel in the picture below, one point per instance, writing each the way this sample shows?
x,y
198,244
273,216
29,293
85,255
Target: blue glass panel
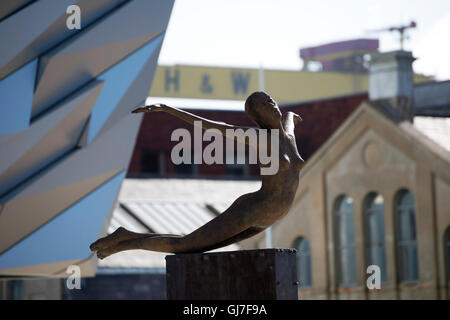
x,y
304,270
345,241
117,81
68,236
374,232
16,98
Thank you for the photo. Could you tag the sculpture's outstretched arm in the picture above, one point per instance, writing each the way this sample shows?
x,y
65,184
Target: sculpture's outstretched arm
x,y
191,118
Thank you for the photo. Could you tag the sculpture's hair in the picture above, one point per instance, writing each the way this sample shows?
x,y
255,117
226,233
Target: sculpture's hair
x,y
251,108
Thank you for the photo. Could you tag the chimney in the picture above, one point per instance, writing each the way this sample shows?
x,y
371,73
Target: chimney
x,y
391,80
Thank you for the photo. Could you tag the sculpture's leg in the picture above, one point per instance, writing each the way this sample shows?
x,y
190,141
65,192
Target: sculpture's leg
x,y
174,244
239,221
241,236
164,243
121,234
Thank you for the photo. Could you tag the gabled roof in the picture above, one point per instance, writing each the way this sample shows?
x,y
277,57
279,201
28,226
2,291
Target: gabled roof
x,y
382,113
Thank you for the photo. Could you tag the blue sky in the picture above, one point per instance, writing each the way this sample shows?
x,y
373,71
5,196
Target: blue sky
x,y
250,33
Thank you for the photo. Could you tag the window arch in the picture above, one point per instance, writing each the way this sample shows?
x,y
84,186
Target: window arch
x,y
407,255
304,270
374,232
447,252
345,241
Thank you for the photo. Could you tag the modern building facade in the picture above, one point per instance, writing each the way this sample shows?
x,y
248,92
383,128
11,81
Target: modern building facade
x,y
70,74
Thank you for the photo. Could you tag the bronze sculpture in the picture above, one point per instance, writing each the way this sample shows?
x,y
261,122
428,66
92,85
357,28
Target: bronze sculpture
x,y
248,215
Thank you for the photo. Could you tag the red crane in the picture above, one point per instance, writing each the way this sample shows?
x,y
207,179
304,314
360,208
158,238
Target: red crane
x,y
400,29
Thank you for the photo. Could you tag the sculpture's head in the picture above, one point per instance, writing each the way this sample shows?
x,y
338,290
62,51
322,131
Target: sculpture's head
x,y
263,110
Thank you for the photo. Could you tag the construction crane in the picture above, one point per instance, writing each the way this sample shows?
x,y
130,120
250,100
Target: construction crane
x,y
400,29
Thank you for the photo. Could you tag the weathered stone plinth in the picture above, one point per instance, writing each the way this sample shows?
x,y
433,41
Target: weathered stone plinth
x,y
268,274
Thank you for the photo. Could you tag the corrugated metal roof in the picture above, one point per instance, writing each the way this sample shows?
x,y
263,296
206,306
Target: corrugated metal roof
x,y
220,207
163,217
160,217
185,190
122,218
176,206
173,218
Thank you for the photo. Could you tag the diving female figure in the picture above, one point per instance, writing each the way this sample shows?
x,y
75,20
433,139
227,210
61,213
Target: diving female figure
x,y
249,214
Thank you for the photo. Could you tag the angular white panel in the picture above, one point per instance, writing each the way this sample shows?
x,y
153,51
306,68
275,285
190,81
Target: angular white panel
x,y
97,48
118,80
27,19
68,236
48,138
40,26
137,91
20,212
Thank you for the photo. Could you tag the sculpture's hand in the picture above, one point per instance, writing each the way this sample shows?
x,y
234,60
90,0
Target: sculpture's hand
x,y
152,108
297,118
292,115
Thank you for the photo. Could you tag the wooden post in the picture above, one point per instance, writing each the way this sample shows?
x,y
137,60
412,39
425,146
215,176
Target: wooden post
x,y
268,274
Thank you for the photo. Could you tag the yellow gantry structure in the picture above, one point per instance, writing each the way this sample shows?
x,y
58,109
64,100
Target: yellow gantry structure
x,y
285,86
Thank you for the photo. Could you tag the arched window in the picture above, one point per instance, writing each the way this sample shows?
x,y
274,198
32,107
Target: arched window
x,y
447,252
407,255
374,232
304,271
345,242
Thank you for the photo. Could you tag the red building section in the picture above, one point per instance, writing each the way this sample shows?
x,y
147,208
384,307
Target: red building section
x,y
152,152
341,56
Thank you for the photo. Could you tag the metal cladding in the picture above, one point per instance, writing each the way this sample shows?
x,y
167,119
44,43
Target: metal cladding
x,y
66,132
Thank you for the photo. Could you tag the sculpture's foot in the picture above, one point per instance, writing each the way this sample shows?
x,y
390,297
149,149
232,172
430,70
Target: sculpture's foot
x,y
110,240
103,253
